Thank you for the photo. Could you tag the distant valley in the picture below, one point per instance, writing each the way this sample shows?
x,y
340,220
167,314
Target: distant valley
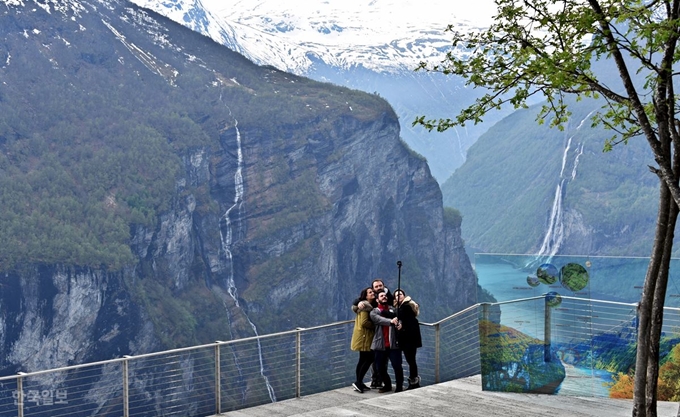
x,y
527,188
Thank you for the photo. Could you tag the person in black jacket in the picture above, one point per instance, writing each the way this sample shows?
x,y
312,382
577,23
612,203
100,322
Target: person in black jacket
x,y
409,334
378,286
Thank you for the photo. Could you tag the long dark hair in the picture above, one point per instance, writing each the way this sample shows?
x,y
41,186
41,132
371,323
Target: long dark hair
x,y
364,294
396,297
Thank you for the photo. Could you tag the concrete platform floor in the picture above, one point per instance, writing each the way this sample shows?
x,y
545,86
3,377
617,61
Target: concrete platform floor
x,y
462,397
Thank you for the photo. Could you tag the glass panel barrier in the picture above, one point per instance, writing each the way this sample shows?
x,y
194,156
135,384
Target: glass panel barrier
x,y
566,324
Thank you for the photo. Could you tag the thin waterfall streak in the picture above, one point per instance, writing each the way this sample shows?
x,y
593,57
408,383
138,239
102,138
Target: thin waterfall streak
x,y
554,235
579,149
227,240
237,364
557,234
460,145
270,389
584,119
576,159
564,156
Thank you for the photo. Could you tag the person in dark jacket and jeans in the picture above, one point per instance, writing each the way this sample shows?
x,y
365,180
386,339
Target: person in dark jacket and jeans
x,y
385,344
409,335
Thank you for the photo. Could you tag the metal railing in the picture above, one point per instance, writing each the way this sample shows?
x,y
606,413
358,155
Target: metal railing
x,y
229,375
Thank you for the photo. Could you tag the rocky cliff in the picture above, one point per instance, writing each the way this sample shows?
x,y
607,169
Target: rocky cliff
x,y
162,191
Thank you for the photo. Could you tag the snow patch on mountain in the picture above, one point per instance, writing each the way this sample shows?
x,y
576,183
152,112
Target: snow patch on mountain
x,y
62,6
380,35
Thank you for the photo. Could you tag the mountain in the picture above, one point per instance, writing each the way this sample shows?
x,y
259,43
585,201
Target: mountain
x,y
158,190
527,188
389,36
518,200
371,46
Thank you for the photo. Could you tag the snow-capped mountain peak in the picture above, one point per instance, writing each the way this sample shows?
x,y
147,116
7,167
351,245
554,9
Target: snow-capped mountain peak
x,y
380,35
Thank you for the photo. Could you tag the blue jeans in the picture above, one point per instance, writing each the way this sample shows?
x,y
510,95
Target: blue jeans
x,y
394,356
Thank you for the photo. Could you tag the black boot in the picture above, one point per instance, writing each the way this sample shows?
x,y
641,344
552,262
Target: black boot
x,y
385,388
413,383
387,383
400,385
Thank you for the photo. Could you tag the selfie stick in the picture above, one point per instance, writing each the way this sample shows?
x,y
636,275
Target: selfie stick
x,y
399,279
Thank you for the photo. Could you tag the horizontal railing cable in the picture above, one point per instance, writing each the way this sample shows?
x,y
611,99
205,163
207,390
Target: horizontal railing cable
x,y
229,375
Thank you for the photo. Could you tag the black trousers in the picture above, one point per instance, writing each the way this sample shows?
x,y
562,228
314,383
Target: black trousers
x,y
394,356
365,361
410,356
375,375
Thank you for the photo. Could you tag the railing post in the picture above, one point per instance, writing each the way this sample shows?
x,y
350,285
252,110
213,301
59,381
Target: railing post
x,y
436,353
126,391
546,332
20,394
218,384
298,362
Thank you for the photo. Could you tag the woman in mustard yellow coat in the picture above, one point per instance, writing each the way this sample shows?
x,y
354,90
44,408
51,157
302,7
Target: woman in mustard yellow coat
x,y
362,336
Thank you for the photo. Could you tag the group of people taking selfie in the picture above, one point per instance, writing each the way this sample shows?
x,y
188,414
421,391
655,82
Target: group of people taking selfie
x,y
385,326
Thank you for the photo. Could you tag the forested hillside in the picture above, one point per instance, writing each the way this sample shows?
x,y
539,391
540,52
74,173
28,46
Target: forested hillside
x,y
507,189
90,149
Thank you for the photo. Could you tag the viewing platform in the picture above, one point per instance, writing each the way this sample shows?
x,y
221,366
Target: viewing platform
x,y
461,398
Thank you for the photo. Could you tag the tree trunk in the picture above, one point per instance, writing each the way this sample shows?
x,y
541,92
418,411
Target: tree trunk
x,y
648,346
656,321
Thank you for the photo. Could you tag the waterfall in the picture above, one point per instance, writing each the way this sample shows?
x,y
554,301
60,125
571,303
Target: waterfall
x,y
554,235
460,145
579,152
226,230
226,237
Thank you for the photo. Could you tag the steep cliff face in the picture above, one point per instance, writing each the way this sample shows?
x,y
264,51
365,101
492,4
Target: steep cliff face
x,y
376,203
289,198
54,316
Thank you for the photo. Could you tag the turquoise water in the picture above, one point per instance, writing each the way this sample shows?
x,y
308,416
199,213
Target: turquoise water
x,y
506,283
609,278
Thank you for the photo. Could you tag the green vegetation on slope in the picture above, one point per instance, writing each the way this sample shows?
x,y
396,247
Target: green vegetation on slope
x,y
506,188
92,142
